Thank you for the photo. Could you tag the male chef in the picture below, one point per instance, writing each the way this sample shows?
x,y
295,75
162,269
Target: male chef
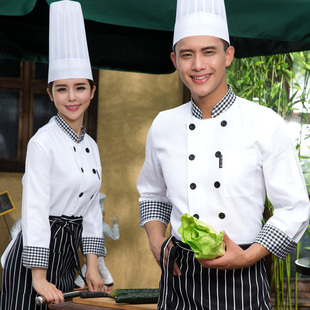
x,y
216,158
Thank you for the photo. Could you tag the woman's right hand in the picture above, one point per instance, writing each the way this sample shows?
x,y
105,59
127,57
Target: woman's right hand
x,y
44,288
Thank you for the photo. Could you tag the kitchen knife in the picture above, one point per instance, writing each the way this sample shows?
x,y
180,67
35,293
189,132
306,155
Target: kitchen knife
x,y
40,300
94,294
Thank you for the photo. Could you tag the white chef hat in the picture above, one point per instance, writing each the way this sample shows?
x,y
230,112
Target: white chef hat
x,y
200,17
68,52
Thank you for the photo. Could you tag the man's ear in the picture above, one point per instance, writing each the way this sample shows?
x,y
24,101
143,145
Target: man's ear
x,y
174,60
49,93
230,52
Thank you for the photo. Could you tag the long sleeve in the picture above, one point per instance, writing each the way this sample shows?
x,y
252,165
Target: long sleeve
x,y
36,206
154,204
287,193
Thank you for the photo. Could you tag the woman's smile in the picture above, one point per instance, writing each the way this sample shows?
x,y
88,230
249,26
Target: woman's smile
x,y
72,107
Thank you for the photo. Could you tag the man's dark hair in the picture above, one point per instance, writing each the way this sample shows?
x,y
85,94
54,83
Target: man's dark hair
x,y
225,44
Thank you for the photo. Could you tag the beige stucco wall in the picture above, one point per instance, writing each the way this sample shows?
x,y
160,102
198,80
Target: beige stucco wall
x,y
128,102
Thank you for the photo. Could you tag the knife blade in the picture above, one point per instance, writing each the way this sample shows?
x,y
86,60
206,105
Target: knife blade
x,y
94,294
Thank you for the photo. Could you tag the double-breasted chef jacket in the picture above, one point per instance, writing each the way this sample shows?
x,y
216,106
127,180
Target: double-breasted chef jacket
x,y
62,177
221,169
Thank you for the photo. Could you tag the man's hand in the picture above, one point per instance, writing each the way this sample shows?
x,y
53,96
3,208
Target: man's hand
x,y
235,257
156,233
44,288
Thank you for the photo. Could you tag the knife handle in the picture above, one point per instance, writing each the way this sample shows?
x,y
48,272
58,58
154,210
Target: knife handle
x,y
40,301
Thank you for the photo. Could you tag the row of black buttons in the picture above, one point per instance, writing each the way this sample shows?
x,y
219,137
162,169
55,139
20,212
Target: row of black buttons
x,y
86,150
221,216
194,186
94,170
218,154
193,126
81,195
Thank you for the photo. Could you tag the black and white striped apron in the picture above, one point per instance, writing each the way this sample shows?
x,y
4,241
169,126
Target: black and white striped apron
x,y
17,292
210,289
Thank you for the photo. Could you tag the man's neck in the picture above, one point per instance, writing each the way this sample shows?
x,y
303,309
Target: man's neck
x,y
207,103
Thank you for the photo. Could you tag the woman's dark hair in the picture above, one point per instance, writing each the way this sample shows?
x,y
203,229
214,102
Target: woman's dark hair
x,y
91,83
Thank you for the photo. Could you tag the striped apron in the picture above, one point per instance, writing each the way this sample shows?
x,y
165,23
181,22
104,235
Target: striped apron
x,y
210,289
17,291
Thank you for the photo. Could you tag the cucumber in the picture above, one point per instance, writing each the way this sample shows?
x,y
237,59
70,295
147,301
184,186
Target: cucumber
x,y
125,291
135,296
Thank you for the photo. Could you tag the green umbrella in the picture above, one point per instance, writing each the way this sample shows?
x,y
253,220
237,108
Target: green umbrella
x,y
136,35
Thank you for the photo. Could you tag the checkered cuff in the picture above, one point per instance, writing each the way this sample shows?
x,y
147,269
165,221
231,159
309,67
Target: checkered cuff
x,y
275,241
93,245
155,210
35,257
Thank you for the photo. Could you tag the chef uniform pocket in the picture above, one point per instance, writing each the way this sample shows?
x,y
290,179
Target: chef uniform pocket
x,y
238,172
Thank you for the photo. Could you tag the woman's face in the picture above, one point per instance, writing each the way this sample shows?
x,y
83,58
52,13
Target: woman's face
x,y
71,98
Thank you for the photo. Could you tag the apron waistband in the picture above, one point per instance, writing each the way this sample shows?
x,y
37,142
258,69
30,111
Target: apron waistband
x,y
185,246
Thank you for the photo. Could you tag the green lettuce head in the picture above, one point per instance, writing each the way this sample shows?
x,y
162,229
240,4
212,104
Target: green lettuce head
x,y
201,237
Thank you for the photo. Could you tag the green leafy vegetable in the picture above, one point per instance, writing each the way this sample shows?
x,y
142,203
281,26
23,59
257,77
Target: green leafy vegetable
x,y
201,237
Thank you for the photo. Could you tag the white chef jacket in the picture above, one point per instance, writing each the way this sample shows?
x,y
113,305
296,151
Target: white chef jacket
x,y
221,169
16,228
61,177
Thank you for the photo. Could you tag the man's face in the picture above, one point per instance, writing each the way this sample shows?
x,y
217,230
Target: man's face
x,y
201,62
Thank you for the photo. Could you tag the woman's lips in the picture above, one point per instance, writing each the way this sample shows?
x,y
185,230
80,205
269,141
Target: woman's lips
x,y
72,107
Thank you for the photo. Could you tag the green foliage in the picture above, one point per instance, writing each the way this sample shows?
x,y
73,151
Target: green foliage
x,y
265,80
280,82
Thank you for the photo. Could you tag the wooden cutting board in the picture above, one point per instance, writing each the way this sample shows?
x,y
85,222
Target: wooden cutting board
x,y
110,302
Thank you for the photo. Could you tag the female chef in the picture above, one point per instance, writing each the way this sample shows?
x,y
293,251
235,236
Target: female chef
x,y
60,207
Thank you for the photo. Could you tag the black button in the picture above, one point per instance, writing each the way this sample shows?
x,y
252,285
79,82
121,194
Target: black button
x,y
74,149
191,157
196,216
81,195
218,154
91,196
87,150
222,215
192,186
82,170
223,123
192,126
94,171
217,184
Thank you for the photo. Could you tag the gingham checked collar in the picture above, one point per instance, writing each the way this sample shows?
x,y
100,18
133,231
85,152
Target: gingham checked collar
x,y
68,130
220,107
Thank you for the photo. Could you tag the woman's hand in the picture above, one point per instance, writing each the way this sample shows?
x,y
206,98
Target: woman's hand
x,y
44,288
92,275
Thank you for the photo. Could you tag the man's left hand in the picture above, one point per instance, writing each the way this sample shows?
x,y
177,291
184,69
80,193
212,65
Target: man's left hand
x,y
235,257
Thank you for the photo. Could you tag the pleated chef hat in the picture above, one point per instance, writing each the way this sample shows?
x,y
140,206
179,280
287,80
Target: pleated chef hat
x,y
200,17
68,52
